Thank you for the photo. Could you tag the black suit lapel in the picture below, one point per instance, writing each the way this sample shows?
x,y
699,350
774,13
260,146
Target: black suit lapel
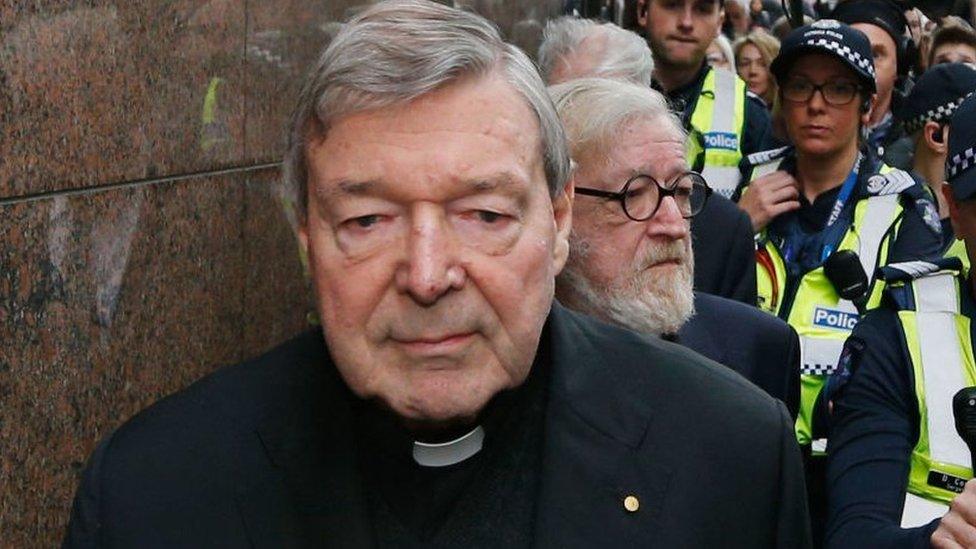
x,y
312,496
596,449
696,335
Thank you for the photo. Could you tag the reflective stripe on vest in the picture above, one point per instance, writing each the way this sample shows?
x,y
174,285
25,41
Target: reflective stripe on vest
x,y
719,118
941,352
821,319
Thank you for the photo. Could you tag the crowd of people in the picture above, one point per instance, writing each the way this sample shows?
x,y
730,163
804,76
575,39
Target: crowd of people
x,y
700,283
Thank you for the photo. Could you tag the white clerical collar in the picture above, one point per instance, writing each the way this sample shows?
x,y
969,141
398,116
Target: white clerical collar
x,y
449,453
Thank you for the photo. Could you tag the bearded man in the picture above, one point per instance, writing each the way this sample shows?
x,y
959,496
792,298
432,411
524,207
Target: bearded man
x,y
631,260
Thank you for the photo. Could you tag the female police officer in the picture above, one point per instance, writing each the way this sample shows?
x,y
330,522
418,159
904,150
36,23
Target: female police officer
x,y
826,219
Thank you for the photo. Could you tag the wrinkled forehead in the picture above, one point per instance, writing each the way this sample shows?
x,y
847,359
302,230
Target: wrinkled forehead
x,y
646,146
469,129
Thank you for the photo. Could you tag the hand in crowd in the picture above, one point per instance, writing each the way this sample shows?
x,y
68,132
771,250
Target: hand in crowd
x,y
769,196
958,527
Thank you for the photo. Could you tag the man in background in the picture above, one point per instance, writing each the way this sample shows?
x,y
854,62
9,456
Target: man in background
x,y
631,260
724,248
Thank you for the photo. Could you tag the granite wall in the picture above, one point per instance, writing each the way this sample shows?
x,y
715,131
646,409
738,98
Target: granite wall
x,y
143,242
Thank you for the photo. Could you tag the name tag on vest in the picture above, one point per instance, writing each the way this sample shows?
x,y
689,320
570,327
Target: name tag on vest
x,y
722,140
946,481
834,319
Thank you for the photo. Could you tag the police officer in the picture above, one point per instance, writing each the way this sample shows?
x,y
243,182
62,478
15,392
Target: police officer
x,y
936,95
884,23
725,121
825,218
895,460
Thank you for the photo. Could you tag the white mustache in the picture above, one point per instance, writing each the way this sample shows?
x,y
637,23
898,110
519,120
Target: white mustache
x,y
675,250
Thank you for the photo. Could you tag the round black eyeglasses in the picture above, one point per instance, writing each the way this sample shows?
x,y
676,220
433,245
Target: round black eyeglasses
x,y
642,195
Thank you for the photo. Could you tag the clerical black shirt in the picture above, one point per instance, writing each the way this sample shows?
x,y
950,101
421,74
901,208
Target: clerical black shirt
x,y
487,500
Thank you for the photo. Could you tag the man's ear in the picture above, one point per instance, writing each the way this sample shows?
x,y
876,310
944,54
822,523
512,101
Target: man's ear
x,y
866,113
721,23
642,8
302,234
935,138
953,207
562,210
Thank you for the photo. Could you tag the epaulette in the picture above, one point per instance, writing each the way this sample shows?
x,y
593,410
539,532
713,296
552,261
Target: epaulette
x,y
914,193
899,293
763,157
893,182
910,270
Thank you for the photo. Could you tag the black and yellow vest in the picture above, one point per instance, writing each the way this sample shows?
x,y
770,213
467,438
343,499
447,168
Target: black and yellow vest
x,y
940,348
809,302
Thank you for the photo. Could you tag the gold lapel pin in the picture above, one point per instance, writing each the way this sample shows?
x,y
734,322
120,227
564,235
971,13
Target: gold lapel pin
x,y
631,504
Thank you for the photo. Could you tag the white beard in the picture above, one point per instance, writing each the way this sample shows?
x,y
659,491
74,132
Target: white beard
x,y
641,300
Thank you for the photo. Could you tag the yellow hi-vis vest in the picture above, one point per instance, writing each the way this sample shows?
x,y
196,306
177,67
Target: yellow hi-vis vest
x,y
958,251
941,352
820,317
719,121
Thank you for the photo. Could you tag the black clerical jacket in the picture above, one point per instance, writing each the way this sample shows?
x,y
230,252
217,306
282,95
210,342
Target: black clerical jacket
x,y
261,455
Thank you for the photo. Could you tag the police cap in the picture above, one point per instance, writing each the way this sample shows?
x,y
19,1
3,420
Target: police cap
x,y
961,160
829,37
881,13
937,94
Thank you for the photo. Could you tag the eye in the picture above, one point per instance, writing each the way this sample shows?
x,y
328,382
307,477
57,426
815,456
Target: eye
x,y
366,221
842,87
363,221
488,216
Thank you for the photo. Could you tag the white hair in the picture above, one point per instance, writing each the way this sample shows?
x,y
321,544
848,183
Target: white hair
x,y
594,110
612,52
640,300
723,44
398,50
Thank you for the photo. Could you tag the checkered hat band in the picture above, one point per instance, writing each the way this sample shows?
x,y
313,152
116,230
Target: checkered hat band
x,y
961,162
818,369
865,63
938,114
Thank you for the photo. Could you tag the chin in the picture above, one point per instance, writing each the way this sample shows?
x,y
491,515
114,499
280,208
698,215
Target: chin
x,y
445,398
816,147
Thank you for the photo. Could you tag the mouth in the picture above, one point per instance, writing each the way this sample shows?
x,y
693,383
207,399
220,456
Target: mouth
x,y
673,262
815,129
435,344
683,39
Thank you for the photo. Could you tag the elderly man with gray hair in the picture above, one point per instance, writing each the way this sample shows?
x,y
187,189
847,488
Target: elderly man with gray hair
x,y
636,270
577,48
724,247
446,400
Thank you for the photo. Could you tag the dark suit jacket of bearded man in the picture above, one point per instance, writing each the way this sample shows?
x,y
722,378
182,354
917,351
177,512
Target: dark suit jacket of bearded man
x,y
761,347
261,455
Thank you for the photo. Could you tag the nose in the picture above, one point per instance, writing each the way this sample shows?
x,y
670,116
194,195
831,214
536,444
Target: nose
x,y
685,20
817,102
430,268
667,221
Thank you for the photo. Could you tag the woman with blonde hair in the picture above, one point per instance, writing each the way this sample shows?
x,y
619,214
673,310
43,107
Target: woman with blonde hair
x,y
753,55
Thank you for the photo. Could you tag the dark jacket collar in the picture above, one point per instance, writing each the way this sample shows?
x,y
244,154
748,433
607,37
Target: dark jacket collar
x,y
595,420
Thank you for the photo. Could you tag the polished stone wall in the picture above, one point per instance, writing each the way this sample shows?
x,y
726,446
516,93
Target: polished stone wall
x,y
143,240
